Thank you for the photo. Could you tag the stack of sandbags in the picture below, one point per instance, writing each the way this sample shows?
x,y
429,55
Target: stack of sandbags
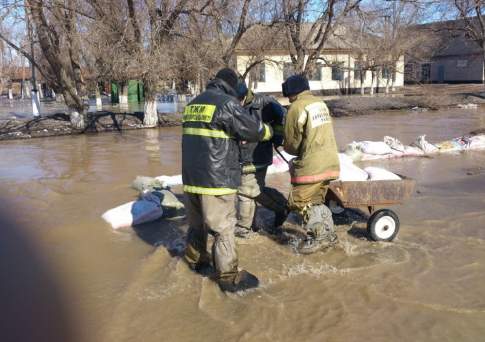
x,y
155,201
424,145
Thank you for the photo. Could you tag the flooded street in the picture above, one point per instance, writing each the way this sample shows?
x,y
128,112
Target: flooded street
x,y
130,285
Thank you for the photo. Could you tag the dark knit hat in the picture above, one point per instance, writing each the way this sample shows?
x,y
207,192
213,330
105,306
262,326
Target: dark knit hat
x,y
294,85
241,90
229,76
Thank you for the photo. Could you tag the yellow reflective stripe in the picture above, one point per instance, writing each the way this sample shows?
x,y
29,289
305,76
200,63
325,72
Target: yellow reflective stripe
x,y
208,191
267,133
205,132
198,113
250,168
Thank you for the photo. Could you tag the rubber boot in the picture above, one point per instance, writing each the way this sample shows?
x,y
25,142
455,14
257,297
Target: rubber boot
x,y
198,262
311,245
240,281
320,230
273,200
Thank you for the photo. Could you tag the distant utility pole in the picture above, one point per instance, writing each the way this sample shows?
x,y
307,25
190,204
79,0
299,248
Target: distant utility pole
x,y
35,93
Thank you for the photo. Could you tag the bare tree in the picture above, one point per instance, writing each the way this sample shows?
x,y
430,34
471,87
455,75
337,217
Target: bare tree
x,y
309,25
56,29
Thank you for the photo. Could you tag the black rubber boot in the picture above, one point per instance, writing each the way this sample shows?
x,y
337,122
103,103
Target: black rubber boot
x,y
203,266
242,281
280,218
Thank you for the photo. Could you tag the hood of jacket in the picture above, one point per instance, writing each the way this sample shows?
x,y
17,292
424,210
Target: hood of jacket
x,y
220,85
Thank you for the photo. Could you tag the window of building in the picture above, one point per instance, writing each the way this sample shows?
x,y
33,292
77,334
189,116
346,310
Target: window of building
x,y
358,68
316,73
461,63
288,70
425,72
386,72
261,74
337,72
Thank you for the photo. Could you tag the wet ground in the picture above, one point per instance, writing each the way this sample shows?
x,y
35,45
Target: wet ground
x,y
130,285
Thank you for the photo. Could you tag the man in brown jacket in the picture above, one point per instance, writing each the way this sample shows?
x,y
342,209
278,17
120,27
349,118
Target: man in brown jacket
x,y
309,136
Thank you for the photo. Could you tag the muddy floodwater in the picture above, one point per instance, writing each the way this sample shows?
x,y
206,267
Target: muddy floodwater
x,y
131,285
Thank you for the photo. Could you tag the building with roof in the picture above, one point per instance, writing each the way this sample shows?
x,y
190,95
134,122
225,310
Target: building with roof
x,y
266,52
452,56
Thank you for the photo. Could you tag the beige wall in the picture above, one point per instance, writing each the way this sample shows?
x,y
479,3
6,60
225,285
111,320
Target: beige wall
x,y
274,74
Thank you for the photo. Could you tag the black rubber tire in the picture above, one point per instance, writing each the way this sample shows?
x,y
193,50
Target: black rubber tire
x,y
373,225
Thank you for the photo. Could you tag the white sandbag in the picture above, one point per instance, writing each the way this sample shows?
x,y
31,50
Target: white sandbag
x,y
279,164
412,151
353,151
133,213
349,171
394,144
377,173
477,142
468,106
374,147
170,180
425,145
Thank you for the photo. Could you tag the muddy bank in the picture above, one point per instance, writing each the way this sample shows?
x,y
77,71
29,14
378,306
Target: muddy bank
x,y
362,105
58,124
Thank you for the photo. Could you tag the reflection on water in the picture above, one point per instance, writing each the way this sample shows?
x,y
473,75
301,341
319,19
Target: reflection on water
x,y
131,286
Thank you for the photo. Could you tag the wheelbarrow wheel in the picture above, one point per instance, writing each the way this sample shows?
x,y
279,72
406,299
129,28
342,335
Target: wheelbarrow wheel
x,y
383,225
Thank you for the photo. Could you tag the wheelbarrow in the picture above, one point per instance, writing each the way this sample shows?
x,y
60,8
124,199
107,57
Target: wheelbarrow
x,y
383,224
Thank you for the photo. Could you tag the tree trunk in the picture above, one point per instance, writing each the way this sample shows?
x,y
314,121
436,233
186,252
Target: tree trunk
x,y
150,117
35,103
39,91
77,112
372,82
124,94
362,80
99,103
77,117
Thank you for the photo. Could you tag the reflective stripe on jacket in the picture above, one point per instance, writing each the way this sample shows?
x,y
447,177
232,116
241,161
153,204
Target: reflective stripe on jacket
x,y
309,135
213,124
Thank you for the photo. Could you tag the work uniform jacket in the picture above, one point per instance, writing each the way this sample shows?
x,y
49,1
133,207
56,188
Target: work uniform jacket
x,y
309,135
257,155
213,124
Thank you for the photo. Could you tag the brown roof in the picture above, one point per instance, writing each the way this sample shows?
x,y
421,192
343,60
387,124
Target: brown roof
x,y
274,38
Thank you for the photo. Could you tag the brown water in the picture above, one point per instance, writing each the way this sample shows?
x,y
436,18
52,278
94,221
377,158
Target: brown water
x,y
428,285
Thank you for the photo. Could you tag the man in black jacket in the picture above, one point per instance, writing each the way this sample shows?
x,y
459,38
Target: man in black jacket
x,y
255,158
213,125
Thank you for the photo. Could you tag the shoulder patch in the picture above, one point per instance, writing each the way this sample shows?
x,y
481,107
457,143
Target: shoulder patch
x,y
318,114
199,112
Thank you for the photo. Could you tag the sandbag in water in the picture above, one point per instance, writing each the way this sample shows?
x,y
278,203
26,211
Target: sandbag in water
x,y
170,204
143,183
132,213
